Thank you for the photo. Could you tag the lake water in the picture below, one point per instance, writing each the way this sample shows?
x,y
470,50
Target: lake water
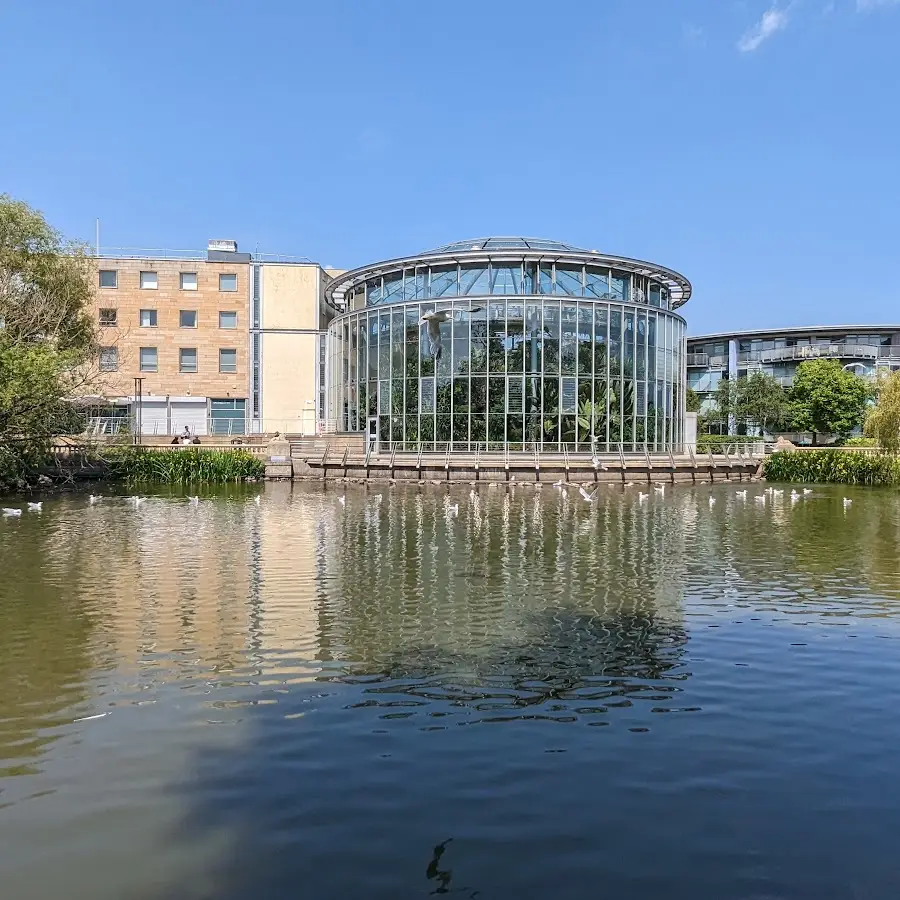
x,y
536,697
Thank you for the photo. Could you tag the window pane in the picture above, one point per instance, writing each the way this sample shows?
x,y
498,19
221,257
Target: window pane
x,y
620,286
149,281
373,291
109,359
443,281
474,281
228,360
148,359
545,285
227,282
227,320
189,281
187,318
148,318
597,283
393,288
108,278
227,416
568,281
108,317
187,359
506,279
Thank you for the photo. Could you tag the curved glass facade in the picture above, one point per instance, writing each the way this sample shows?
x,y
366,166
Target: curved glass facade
x,y
509,354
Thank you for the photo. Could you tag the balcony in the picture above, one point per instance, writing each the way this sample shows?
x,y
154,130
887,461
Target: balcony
x,y
698,359
814,351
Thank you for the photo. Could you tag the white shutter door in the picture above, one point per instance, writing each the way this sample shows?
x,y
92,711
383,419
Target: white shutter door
x,y
154,417
192,415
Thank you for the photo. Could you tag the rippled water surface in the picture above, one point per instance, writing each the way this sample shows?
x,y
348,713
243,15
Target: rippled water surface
x,y
537,697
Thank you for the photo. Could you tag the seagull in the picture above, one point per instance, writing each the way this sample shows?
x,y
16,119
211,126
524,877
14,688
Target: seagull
x,y
95,498
558,484
847,502
661,489
378,498
712,501
760,499
434,320
586,495
256,499
342,500
193,500
35,507
472,494
741,494
642,496
452,509
136,500
794,497
11,512
807,491
777,493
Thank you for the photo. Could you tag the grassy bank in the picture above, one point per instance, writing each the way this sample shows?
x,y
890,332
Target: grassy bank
x,y
190,465
832,467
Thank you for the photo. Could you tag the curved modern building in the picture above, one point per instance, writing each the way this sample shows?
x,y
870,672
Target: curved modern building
x,y
864,349
509,343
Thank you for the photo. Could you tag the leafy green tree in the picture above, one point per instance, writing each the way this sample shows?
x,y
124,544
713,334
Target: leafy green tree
x,y
883,420
827,399
762,402
47,338
692,401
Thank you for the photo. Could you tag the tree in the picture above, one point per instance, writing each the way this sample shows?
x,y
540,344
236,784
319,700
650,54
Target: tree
x,y
692,401
883,420
47,338
827,399
762,402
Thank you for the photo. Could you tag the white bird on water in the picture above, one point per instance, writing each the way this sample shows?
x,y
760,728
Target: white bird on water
x,y
36,507
794,496
661,489
342,500
452,509
847,502
642,496
588,497
807,491
137,501
712,501
434,320
194,501
741,494
95,498
256,499
7,511
760,499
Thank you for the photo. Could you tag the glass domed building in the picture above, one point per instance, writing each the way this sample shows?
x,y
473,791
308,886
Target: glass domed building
x,y
511,343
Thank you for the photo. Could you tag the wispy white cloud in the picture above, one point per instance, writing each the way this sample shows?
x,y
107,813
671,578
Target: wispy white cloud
x,y
773,20
869,5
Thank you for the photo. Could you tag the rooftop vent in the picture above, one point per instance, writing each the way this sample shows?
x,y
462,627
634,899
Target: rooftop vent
x,y
222,246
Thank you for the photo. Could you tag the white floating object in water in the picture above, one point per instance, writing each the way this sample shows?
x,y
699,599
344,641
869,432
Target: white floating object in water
x,y
342,500
741,494
256,499
11,512
760,499
95,498
36,507
588,497
807,490
194,500
642,496
847,501
661,489
712,501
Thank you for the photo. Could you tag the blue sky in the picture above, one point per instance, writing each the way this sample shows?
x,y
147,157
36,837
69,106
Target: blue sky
x,y
753,147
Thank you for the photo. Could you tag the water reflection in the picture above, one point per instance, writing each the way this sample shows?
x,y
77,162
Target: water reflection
x,y
316,693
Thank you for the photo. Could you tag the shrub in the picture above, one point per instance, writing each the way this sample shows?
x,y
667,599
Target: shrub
x,y
859,441
138,464
832,466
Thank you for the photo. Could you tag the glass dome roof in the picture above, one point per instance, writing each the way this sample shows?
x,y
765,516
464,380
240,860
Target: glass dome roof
x,y
504,243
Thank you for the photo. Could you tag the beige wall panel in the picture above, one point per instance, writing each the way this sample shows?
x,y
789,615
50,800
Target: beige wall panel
x,y
289,388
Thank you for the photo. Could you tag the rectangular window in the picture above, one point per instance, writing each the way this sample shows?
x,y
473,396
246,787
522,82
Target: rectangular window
x,y
108,318
227,282
227,320
109,278
149,281
188,281
148,318
148,359
187,318
228,361
187,359
109,359
227,416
